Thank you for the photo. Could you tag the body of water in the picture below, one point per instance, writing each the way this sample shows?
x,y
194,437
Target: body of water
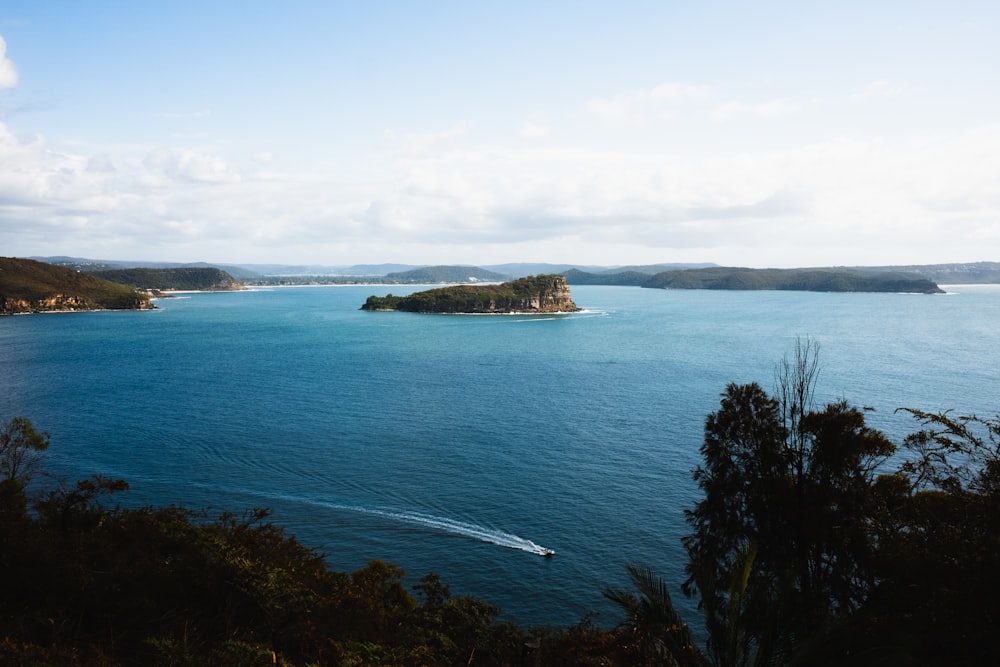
x,y
465,445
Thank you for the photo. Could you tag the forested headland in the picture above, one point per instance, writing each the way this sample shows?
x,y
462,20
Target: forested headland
x,y
738,278
27,286
204,279
815,540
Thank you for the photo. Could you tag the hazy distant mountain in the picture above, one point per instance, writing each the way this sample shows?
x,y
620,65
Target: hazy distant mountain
x,y
955,273
520,270
653,269
326,270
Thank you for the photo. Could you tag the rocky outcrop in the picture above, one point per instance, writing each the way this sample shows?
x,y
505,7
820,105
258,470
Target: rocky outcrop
x,y
547,293
66,302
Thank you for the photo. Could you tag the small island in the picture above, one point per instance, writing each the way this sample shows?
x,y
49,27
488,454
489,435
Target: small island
x,y
546,293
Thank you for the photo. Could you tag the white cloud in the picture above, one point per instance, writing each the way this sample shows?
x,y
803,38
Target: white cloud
x,y
192,166
880,88
776,108
532,130
8,73
825,203
418,144
639,106
680,92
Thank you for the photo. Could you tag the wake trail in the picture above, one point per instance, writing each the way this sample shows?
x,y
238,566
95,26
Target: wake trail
x,y
443,524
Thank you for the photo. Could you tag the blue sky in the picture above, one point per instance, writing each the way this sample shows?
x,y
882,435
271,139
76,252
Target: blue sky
x,y
754,134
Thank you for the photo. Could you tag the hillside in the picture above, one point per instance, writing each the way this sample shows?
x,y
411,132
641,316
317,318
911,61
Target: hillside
x,y
27,286
735,278
445,274
624,278
181,278
533,294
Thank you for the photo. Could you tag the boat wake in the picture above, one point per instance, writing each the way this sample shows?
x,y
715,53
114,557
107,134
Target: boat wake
x,y
428,521
442,524
481,533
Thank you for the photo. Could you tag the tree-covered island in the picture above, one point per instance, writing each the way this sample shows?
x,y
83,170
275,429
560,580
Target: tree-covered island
x,y
547,293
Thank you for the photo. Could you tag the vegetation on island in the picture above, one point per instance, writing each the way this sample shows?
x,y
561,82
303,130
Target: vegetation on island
x,y
542,293
735,278
177,279
815,541
27,286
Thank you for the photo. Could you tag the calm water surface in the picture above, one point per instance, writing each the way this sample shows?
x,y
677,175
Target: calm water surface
x,y
459,444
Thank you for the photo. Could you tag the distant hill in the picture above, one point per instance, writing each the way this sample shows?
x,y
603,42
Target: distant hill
x,y
974,273
532,294
522,269
189,278
96,265
28,286
806,280
290,274
735,278
627,278
445,274
653,269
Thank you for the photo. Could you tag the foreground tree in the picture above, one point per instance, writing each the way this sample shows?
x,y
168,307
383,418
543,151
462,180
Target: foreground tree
x,y
937,596
653,632
795,487
20,449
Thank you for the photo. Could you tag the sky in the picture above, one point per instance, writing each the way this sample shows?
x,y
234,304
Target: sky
x,y
764,134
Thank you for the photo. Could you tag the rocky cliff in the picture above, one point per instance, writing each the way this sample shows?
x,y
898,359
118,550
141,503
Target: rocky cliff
x,y
547,293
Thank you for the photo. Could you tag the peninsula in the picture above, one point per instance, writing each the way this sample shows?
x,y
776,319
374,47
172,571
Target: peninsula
x,y
547,293
27,286
739,278
198,279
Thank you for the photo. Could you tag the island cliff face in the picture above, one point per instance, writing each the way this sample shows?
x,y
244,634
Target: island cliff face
x,y
548,293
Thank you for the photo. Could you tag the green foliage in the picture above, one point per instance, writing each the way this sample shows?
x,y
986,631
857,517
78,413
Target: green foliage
x,y
653,633
20,449
30,286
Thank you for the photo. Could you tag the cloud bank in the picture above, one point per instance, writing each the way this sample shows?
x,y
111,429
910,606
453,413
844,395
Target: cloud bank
x,y
776,167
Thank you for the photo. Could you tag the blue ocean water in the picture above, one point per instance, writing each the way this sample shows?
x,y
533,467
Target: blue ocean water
x,y
464,445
